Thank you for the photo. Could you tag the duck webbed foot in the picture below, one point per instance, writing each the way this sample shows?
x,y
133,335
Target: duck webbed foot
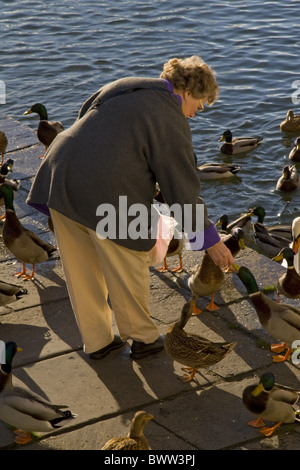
x,y
191,372
269,431
22,437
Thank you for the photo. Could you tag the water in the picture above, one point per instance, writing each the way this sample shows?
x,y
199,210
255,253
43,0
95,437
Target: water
x,y
59,53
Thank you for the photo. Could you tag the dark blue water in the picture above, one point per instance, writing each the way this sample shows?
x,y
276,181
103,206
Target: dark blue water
x,y
59,53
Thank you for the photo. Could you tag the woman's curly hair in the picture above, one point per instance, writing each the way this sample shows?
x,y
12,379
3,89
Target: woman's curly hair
x,y
194,75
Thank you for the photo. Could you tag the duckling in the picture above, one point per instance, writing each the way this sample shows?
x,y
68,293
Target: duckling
x,y
294,154
191,350
244,222
289,180
280,320
135,439
271,401
3,145
210,171
24,244
280,230
6,365
238,144
47,130
289,283
207,278
10,293
291,122
267,242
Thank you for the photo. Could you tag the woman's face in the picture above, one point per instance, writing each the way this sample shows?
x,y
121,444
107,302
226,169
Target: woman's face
x,y
191,105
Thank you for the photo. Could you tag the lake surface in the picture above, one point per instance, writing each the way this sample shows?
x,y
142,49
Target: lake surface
x,y
59,53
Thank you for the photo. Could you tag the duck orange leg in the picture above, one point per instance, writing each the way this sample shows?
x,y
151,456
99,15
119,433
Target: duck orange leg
x,y
21,273
164,268
191,372
179,268
22,437
212,306
30,277
269,431
257,423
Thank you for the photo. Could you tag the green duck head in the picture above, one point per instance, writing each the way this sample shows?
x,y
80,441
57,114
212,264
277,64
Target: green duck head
x,y
266,382
8,196
39,109
260,213
247,278
287,254
223,221
297,143
10,350
227,136
238,234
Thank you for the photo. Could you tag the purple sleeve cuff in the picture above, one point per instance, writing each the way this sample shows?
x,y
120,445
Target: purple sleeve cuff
x,y
200,241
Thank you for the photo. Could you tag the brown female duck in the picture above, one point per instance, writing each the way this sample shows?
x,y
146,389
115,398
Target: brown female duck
x,y
135,439
207,278
191,350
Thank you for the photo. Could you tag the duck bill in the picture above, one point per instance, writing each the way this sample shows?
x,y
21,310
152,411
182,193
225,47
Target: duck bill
x,y
257,391
295,245
277,258
27,112
221,139
235,267
242,244
19,349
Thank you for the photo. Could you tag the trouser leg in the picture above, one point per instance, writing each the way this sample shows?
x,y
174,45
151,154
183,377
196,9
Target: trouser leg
x,y
85,282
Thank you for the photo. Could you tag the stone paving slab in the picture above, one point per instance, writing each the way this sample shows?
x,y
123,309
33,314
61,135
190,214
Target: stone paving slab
x,y
206,414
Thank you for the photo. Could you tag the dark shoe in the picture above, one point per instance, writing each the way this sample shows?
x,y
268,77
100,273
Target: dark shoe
x,y
139,350
115,344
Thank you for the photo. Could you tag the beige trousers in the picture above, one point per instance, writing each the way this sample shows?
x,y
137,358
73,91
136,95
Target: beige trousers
x,y
95,269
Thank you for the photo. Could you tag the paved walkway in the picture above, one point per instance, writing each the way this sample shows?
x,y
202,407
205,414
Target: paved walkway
x,y
206,414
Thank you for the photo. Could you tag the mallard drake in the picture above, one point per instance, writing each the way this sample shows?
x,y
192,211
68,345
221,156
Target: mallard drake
x,y
289,180
24,244
294,154
47,130
244,222
271,401
267,242
291,122
207,278
280,230
3,145
210,171
191,350
235,145
27,411
135,439
6,366
280,320
10,293
289,283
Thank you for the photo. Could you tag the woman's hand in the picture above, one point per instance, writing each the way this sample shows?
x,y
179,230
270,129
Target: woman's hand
x,y
221,255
